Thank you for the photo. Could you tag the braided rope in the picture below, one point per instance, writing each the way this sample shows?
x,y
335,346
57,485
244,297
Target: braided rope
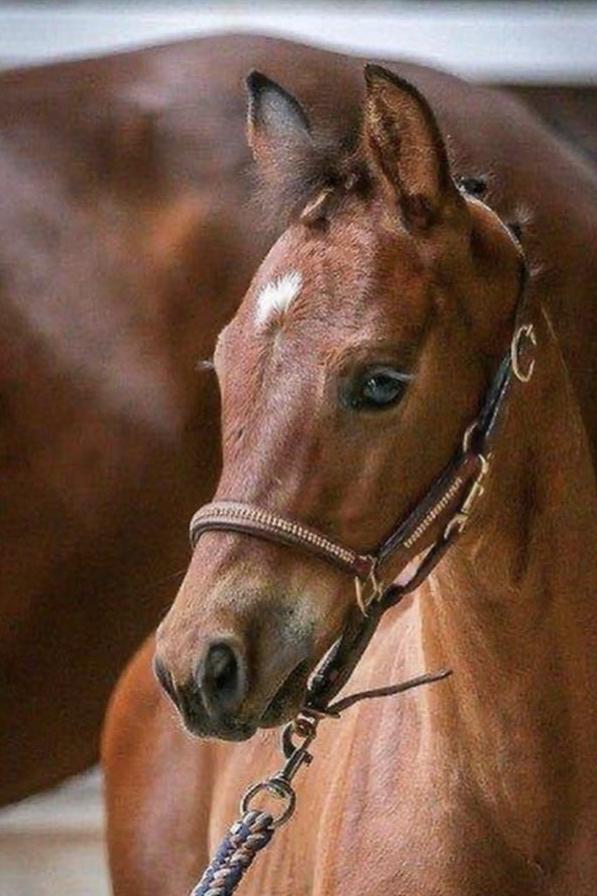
x,y
236,852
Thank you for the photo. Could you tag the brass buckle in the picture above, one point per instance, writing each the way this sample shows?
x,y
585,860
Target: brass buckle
x,y
373,583
460,519
526,331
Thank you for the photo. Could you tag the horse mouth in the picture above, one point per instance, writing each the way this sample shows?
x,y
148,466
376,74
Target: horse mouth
x,y
288,698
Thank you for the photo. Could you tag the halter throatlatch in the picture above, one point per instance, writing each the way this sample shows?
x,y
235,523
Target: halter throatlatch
x,y
419,541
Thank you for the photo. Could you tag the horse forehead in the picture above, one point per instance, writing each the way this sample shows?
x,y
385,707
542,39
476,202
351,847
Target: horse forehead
x,y
343,268
298,264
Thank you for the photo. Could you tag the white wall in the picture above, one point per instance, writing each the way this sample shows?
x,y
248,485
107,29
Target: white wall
x,y
523,41
52,845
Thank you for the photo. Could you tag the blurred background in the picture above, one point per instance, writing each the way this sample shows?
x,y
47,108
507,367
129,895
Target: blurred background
x,y
534,42
545,51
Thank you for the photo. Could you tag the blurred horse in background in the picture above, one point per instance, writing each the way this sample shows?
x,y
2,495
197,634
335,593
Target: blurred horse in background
x,y
126,241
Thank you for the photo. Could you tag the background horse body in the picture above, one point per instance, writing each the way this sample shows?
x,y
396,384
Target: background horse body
x,y
126,240
448,792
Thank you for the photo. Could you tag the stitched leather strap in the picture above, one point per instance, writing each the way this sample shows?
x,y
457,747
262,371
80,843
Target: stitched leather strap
x,y
234,516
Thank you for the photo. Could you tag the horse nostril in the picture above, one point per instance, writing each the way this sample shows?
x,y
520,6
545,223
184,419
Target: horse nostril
x,y
221,678
222,667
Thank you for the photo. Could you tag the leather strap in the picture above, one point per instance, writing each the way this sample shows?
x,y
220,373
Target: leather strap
x,y
234,516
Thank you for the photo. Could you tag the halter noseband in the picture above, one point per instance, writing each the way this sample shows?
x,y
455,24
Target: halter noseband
x,y
432,525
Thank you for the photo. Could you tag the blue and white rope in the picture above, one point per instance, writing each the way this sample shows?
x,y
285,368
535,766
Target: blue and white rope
x,y
237,850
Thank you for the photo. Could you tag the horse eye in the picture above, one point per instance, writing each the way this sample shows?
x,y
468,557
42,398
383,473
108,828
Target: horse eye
x,y
378,388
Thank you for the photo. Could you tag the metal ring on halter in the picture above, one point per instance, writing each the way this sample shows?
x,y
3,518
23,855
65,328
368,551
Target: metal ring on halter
x,y
278,788
468,436
456,525
526,331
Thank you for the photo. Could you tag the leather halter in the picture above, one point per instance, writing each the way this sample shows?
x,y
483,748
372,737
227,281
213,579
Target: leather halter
x,y
435,522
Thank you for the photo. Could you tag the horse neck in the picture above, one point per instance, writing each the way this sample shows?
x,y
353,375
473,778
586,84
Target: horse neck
x,y
511,611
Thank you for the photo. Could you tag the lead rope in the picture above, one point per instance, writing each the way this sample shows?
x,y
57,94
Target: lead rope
x,y
254,829
236,852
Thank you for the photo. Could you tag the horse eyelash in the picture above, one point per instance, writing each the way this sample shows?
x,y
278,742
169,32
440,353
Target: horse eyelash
x,y
515,228
205,364
473,186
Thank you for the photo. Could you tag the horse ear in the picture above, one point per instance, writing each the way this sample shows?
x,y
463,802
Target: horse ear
x,y
277,127
405,147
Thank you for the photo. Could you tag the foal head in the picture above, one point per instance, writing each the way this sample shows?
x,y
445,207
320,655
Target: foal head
x,y
357,358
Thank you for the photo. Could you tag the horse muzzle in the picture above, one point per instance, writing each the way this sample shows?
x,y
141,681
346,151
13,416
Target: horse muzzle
x,y
228,696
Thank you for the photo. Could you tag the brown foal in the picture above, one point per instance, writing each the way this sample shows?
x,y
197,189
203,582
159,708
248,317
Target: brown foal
x,y
358,357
